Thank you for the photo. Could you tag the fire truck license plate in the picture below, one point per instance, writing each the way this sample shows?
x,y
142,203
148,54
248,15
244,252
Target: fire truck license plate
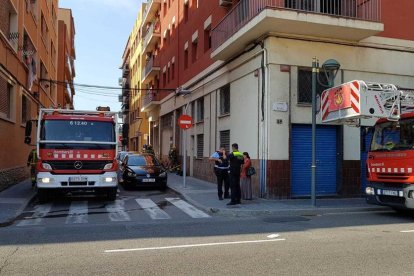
x,y
78,179
390,192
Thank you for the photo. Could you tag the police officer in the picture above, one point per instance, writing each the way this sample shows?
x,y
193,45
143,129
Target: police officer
x,y
221,167
236,160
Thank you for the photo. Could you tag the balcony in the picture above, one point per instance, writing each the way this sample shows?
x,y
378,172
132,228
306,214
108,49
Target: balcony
x,y
349,20
153,6
125,70
151,37
151,70
152,98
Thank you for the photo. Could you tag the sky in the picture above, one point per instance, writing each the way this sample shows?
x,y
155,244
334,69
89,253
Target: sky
x,y
102,29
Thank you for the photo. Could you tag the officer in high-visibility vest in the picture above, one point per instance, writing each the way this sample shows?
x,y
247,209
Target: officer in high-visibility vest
x,y
31,161
236,161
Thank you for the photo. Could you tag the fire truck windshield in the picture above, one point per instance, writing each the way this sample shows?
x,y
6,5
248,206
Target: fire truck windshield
x,y
77,130
393,136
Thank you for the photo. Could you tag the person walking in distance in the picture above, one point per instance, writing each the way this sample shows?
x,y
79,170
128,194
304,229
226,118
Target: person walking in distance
x,y
236,161
221,168
246,180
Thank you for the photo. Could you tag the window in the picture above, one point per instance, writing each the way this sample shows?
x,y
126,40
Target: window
x,y
172,70
225,100
31,6
6,92
164,78
44,75
200,110
185,58
225,139
207,39
185,12
11,27
25,109
194,51
168,74
165,8
53,54
44,30
305,85
200,145
193,110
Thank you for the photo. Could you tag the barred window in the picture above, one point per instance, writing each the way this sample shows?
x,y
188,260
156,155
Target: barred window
x,y
200,110
225,139
200,145
305,85
25,109
166,121
6,90
225,100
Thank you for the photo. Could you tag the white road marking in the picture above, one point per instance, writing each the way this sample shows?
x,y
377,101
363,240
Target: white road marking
x,y
117,212
190,245
36,218
272,236
407,231
187,208
78,212
152,209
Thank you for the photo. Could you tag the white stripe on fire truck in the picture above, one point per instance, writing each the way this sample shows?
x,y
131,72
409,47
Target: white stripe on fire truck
x,y
390,170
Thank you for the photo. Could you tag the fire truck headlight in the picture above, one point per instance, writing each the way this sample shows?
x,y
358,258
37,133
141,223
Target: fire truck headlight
x,y
45,180
370,191
46,166
108,166
110,179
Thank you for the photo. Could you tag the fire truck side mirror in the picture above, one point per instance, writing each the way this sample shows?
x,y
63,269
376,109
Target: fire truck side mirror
x,y
28,133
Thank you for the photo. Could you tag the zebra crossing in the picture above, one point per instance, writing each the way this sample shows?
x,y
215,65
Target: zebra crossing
x,y
120,210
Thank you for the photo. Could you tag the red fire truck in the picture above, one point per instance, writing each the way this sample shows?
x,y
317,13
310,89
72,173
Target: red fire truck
x,y
76,150
390,161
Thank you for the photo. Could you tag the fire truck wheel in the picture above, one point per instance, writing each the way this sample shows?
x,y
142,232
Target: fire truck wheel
x,y
111,194
43,195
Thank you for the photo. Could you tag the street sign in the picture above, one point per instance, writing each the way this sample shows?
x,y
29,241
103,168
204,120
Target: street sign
x,y
185,121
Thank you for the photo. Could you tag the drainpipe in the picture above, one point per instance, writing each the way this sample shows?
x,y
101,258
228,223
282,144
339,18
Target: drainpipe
x,y
263,122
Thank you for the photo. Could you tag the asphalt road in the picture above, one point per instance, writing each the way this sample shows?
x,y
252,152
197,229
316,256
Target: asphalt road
x,y
376,243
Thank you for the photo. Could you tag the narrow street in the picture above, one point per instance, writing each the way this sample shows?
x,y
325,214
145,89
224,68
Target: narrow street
x,y
129,240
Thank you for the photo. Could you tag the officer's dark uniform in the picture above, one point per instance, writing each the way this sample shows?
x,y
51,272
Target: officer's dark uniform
x,y
236,161
221,171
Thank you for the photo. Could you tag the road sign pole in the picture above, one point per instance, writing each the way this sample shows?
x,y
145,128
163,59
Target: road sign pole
x,y
185,158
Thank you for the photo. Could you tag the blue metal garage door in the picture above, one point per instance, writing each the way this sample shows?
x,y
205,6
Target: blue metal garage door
x,y
301,160
366,139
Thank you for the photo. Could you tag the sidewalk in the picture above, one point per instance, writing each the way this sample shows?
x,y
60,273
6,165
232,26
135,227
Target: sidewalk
x,y
13,201
203,194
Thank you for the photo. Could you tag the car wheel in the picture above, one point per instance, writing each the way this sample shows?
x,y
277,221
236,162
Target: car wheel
x,y
111,194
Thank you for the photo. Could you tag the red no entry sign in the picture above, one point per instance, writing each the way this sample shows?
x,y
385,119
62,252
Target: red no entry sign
x,y
185,121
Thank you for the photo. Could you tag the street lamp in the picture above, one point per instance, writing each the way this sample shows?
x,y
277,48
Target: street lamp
x,y
331,68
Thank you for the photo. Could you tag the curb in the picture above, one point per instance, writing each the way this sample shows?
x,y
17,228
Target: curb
x,y
313,211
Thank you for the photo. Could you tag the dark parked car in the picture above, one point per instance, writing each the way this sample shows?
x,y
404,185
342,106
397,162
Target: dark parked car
x,y
143,170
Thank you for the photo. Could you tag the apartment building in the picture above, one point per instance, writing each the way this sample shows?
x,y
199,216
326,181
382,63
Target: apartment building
x,y
28,60
248,67
66,59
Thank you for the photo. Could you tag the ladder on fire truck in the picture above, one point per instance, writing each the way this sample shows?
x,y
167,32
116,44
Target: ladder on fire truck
x,y
352,101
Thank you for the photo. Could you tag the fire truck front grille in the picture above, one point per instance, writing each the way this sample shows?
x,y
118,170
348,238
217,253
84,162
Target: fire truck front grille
x,y
391,199
393,176
76,165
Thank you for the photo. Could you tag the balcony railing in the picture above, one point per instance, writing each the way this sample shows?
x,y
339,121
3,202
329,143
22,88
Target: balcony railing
x,y
151,96
154,29
152,64
246,10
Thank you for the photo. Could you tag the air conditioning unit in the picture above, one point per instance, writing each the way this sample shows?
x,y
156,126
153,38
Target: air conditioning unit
x,y
225,3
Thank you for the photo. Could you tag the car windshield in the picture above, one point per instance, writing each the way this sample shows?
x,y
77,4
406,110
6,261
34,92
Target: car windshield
x,y
78,130
142,160
392,136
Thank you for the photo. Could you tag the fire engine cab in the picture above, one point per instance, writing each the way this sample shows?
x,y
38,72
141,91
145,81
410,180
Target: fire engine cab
x,y
76,151
390,162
